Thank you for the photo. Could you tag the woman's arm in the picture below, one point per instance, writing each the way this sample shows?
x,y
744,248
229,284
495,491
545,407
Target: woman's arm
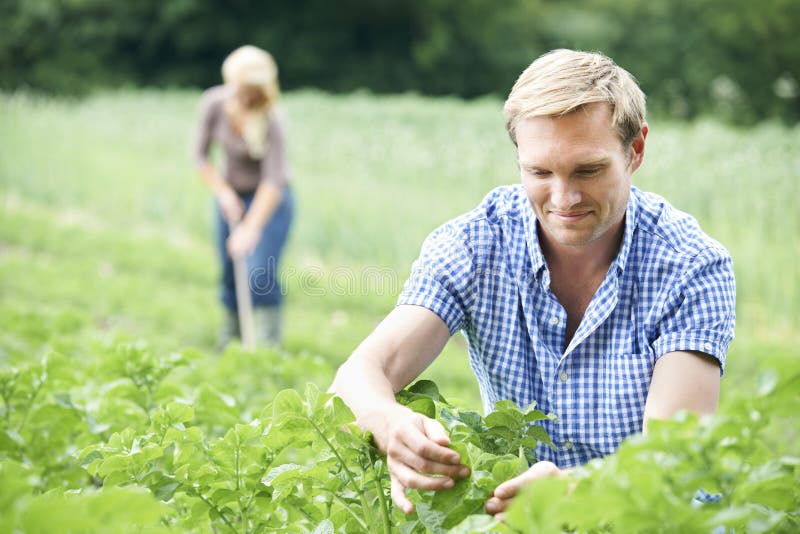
x,y
246,235
231,205
268,195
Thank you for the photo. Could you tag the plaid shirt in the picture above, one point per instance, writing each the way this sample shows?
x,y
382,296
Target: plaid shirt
x,y
670,288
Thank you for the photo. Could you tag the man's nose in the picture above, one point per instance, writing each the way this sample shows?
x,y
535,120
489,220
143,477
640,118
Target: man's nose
x,y
565,194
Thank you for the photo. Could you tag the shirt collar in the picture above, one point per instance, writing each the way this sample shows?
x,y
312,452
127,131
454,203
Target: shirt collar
x,y
539,266
630,225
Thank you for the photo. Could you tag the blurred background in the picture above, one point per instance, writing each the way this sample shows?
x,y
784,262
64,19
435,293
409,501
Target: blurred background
x,y
734,59
394,126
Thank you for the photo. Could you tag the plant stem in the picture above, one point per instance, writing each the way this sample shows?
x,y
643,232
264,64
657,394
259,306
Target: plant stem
x,y
364,506
348,508
211,505
381,497
30,405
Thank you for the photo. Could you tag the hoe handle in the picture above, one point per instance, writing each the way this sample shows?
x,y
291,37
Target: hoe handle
x,y
244,303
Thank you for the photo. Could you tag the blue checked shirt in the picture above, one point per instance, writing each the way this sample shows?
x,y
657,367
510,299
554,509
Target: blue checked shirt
x,y
670,288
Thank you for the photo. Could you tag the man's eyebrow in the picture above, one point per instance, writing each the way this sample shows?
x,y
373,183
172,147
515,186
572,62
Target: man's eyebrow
x,y
599,162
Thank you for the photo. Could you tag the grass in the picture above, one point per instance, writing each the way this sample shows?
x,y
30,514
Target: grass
x,y
102,214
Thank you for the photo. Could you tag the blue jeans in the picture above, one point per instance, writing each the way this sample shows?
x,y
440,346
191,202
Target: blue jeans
x,y
262,263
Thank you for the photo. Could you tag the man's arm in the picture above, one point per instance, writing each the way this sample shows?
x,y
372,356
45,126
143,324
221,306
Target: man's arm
x,y
399,349
682,380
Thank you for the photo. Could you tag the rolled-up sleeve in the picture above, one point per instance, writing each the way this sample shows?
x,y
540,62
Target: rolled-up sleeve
x,y
701,311
442,277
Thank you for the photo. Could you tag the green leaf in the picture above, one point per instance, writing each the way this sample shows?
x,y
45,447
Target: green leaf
x,y
341,412
425,387
283,472
114,464
767,380
326,527
249,431
313,399
179,412
507,469
423,405
165,491
475,524
287,402
506,405
540,434
431,517
504,419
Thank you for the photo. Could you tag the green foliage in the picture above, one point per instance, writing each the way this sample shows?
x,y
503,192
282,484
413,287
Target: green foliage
x,y
734,58
128,438
147,432
650,483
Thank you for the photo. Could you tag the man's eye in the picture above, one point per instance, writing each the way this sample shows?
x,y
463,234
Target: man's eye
x,y
589,172
539,172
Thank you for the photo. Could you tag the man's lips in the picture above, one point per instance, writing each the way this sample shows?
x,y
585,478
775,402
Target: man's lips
x,y
571,216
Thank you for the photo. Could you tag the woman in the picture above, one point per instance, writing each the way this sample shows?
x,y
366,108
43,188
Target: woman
x,y
253,199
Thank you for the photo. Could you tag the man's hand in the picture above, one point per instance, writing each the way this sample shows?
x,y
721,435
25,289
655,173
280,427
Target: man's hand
x,y
243,239
416,447
502,495
230,204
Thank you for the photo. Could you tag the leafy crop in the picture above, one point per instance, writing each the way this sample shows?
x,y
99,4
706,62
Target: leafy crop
x,y
185,442
183,437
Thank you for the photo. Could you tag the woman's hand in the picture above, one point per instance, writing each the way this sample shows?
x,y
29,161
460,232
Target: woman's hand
x,y
502,495
230,204
243,239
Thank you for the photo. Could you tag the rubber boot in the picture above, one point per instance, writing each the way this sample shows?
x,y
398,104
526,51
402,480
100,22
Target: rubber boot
x,y
229,330
268,328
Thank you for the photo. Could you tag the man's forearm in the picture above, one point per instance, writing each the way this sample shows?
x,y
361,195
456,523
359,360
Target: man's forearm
x,y
363,386
397,351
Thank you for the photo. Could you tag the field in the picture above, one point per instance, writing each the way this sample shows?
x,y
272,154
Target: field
x,y
109,316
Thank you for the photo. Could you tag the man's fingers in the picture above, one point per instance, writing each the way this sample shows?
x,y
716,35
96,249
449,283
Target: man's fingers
x,y
505,492
420,443
510,488
410,478
421,464
435,431
495,505
399,497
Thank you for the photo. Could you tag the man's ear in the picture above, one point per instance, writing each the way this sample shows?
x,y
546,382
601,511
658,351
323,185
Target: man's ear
x,y
637,148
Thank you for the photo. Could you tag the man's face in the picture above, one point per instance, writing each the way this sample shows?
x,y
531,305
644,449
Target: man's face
x,y
577,174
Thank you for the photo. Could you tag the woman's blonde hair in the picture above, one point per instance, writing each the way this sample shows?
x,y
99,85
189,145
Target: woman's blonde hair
x,y
562,81
253,68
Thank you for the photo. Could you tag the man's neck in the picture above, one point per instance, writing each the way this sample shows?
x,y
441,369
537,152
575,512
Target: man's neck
x,y
576,273
586,260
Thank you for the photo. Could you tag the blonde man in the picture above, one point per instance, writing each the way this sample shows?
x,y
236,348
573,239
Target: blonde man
x,y
254,201
601,303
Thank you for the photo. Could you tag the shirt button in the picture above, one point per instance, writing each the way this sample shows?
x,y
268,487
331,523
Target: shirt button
x,y
563,377
555,321
567,445
707,346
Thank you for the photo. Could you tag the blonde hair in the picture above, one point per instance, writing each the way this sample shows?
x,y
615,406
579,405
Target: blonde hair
x,y
562,81
251,67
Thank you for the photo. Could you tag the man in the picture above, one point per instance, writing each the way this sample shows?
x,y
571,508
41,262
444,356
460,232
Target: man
x,y
601,303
